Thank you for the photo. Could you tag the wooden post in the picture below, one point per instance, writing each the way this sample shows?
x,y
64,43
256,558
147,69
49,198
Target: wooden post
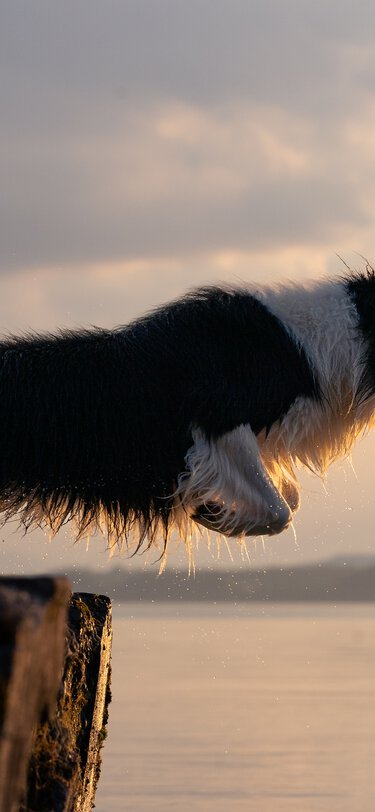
x,y
32,643
52,644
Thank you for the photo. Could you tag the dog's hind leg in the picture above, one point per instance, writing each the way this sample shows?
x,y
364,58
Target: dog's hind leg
x,y
227,488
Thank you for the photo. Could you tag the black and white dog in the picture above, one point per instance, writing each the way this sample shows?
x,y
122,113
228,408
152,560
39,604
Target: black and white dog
x,y
197,412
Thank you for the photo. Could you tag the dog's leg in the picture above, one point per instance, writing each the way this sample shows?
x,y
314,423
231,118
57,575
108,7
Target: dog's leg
x,y
226,487
282,474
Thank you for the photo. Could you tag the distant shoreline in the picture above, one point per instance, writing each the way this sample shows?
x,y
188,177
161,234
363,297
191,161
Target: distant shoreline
x,y
352,580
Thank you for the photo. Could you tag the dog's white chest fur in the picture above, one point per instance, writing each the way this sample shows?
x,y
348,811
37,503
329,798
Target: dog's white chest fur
x,y
242,484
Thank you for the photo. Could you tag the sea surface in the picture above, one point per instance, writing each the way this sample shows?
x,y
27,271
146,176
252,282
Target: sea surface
x,y
254,707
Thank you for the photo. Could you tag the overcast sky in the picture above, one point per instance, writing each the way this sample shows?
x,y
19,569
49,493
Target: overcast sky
x,y
151,145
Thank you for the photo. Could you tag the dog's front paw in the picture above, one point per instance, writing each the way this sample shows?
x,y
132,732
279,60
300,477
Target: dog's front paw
x,y
213,516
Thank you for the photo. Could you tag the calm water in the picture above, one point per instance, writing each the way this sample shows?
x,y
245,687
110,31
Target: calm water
x,y
236,708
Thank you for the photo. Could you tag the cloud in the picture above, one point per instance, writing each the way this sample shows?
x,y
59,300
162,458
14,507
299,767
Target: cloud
x,y
148,131
174,179
286,53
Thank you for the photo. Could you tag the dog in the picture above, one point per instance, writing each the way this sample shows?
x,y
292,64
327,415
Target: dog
x,y
197,413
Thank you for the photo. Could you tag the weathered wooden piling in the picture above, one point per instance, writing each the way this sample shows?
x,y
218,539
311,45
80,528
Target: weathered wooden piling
x,y
54,691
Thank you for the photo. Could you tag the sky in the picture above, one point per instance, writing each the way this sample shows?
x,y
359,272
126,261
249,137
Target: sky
x,y
148,146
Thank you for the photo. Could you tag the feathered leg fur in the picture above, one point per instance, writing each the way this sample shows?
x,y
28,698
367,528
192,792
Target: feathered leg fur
x,y
227,488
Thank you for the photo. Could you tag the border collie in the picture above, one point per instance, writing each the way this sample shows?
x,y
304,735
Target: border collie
x,y
198,412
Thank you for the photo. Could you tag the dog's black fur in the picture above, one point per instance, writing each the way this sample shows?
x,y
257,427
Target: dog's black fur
x,y
361,289
100,421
